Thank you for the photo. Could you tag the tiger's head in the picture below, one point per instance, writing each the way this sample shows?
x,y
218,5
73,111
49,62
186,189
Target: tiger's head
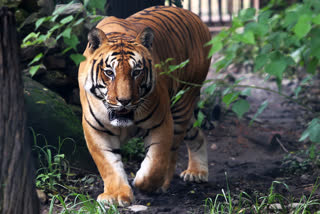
x,y
120,72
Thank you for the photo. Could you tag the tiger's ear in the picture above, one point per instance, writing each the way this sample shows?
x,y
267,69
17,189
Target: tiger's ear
x,y
146,37
95,39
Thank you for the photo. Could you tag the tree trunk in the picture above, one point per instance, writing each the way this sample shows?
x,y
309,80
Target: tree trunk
x,y
17,189
125,8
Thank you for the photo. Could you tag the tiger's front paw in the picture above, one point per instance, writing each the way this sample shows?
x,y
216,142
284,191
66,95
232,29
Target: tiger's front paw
x,y
149,182
195,175
121,197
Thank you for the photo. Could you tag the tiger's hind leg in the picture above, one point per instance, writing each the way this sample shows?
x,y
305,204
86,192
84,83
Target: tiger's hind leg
x,y
197,170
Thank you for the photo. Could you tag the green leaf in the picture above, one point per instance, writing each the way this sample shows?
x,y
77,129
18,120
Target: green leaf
x,y
315,46
229,98
312,66
260,61
303,26
290,19
247,14
36,58
247,37
261,108
73,41
40,21
200,118
77,58
313,131
178,96
96,4
257,28
240,107
30,36
67,19
33,70
246,92
66,33
201,104
79,21
264,17
276,67
316,20
215,48
210,89
176,67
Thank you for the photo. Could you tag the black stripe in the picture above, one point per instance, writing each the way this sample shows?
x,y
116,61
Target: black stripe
x,y
177,117
116,151
158,125
174,148
177,25
151,20
93,115
178,132
186,26
93,63
148,146
192,137
190,127
97,71
105,131
149,115
179,107
181,122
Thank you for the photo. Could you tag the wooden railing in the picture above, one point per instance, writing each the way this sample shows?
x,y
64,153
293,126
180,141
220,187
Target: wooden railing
x,y
217,13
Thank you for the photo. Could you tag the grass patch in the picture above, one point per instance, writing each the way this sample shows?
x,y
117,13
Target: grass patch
x,y
79,203
273,202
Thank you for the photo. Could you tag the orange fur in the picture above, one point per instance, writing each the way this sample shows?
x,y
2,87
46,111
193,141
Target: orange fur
x,y
121,92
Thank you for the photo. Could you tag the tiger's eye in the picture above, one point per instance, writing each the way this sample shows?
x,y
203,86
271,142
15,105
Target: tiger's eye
x,y
136,73
109,73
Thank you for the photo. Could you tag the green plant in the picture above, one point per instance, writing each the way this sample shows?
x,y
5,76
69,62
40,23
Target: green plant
x,y
57,29
277,43
273,202
79,203
52,164
133,150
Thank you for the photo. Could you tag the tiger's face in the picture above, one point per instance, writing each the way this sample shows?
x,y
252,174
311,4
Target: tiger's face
x,y
121,73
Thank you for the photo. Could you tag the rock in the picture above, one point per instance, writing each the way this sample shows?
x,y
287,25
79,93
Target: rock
x,y
28,53
55,62
214,147
42,196
53,79
137,208
69,9
46,7
50,116
75,97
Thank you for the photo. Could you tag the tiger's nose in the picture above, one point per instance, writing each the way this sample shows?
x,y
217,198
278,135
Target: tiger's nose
x,y
123,102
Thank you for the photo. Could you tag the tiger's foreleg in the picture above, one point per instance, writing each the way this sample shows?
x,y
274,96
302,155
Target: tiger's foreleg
x,y
103,149
197,170
153,171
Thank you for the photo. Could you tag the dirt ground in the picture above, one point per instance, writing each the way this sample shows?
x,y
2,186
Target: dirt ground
x,y
242,158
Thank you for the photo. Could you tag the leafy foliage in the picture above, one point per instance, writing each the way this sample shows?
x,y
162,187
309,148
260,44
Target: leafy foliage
x,y
277,44
133,150
57,29
79,203
52,164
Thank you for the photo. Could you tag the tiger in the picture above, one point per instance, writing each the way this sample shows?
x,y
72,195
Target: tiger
x,y
124,94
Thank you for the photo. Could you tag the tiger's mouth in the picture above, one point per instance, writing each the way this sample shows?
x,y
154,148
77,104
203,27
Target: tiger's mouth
x,y
122,115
